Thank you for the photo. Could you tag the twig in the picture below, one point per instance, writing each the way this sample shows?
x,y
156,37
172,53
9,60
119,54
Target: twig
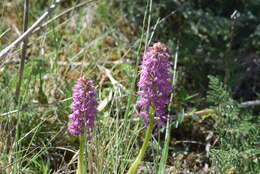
x,y
199,113
190,142
24,47
207,149
250,103
14,44
208,139
210,111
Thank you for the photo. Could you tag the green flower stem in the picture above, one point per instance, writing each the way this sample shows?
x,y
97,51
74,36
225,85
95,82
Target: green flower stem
x,y
81,159
148,136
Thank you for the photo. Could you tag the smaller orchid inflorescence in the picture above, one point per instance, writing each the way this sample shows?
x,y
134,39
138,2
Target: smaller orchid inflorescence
x,y
84,107
154,84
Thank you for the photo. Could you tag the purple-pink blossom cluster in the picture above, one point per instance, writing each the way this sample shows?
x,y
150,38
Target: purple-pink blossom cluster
x,y
84,107
154,84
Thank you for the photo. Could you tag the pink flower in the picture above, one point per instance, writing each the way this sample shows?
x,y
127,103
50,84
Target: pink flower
x,y
84,107
154,84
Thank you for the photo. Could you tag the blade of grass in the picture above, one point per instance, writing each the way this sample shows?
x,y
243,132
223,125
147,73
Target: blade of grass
x,y
24,48
17,92
133,85
148,25
168,132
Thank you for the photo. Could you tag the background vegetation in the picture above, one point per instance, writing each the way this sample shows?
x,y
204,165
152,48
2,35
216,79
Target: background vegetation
x,y
217,44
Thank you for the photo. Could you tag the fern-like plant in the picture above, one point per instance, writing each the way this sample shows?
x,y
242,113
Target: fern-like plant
x,y
237,129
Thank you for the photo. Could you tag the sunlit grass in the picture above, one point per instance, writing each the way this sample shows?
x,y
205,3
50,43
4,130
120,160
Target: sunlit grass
x,y
98,40
76,44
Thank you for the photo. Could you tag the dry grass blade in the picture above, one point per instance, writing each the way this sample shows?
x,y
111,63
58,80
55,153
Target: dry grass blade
x,y
4,33
25,35
111,78
105,102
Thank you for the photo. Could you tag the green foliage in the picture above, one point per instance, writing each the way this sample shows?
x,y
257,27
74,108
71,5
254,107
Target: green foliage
x,y
35,140
237,131
210,41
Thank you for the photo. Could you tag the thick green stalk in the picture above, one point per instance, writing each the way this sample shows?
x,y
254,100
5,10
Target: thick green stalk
x,y
148,136
81,159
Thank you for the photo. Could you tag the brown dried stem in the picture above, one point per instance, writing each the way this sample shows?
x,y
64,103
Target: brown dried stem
x,y
24,47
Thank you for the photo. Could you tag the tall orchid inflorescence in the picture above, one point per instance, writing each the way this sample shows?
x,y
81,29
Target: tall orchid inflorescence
x,y
155,89
154,84
84,107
